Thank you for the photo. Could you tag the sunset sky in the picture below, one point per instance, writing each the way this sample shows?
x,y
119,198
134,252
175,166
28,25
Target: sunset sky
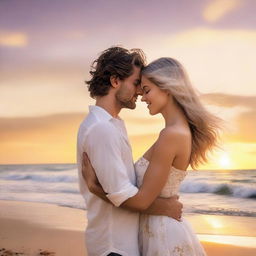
x,y
47,46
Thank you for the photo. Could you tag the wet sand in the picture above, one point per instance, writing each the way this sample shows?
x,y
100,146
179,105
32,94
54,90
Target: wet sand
x,y
33,229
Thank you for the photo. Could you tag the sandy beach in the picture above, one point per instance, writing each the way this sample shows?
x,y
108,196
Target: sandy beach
x,y
28,227
32,229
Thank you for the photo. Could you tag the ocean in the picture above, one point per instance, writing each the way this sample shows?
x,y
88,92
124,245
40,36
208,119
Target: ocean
x,y
220,192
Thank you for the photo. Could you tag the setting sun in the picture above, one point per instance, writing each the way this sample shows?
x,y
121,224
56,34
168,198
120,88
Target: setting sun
x,y
225,161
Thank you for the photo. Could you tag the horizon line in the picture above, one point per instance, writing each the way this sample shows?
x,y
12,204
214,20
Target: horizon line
x,y
189,169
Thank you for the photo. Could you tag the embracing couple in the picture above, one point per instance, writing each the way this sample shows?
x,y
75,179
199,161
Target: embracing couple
x,y
133,209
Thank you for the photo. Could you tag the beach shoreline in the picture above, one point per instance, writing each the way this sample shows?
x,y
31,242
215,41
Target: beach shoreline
x,y
34,228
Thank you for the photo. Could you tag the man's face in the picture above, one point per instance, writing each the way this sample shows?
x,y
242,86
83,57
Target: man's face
x,y
129,90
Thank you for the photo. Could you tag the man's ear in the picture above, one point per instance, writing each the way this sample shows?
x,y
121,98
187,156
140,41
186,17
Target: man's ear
x,y
115,81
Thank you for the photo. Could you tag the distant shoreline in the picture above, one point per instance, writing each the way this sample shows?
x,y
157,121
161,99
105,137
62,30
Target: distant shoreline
x,y
40,164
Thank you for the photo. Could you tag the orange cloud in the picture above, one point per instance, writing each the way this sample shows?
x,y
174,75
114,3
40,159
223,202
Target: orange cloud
x,y
217,9
13,39
244,123
48,139
229,100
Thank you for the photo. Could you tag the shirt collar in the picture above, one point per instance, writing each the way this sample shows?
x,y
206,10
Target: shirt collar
x,y
102,113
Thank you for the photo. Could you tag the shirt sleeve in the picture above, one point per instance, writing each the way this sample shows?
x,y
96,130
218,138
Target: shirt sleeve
x,y
103,146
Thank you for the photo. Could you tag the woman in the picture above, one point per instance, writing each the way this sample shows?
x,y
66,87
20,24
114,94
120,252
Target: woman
x,y
190,132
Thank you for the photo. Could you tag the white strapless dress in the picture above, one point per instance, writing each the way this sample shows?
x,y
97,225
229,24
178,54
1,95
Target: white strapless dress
x,y
162,235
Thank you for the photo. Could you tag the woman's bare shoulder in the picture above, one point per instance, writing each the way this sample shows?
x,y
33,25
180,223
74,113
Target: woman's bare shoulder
x,y
174,132
175,137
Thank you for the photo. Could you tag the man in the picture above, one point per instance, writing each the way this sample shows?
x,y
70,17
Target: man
x,y
113,207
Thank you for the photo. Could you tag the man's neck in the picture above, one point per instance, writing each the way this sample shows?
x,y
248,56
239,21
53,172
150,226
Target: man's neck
x,y
109,104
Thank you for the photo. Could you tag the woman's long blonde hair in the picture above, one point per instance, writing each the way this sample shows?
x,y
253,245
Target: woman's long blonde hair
x,y
169,74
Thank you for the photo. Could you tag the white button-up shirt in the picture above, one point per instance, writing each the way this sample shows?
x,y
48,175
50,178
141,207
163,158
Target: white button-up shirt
x,y
110,228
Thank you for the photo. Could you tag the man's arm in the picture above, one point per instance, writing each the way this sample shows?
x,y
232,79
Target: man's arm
x,y
170,207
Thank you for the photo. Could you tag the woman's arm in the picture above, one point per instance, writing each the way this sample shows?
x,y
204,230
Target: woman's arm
x,y
161,206
158,170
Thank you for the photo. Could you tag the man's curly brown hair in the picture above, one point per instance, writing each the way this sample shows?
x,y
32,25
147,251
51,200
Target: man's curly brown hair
x,y
114,61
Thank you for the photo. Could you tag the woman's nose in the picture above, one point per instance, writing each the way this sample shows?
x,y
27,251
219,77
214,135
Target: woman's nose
x,y
143,97
139,90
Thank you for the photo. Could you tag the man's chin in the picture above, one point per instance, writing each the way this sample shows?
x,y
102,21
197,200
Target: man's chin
x,y
129,105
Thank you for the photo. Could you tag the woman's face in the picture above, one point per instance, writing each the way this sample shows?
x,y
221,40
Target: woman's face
x,y
155,98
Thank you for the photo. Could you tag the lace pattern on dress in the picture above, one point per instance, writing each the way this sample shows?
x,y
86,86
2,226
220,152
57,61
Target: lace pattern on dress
x,y
182,250
142,162
172,185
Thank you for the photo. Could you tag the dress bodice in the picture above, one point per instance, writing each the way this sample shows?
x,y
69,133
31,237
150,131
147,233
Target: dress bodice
x,y
172,185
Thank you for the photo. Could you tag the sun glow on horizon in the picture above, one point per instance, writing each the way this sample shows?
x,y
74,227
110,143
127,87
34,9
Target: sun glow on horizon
x,y
225,161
